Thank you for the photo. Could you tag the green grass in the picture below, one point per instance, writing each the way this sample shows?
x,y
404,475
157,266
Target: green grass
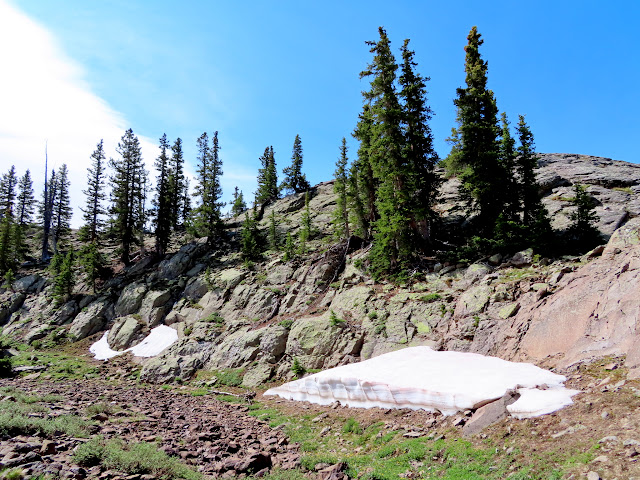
x,y
60,365
383,453
134,459
430,297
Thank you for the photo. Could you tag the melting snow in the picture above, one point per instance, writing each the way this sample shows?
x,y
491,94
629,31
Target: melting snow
x,y
158,339
421,378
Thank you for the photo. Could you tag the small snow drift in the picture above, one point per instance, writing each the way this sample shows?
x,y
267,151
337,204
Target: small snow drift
x,y
158,339
421,378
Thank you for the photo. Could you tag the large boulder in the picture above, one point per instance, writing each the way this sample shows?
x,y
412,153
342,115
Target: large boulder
x,y
473,301
9,304
130,299
178,362
154,307
90,320
123,332
180,262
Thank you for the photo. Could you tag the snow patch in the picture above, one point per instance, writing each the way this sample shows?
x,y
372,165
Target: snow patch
x,y
158,339
421,378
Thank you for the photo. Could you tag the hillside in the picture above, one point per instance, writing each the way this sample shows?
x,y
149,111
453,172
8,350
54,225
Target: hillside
x,y
270,321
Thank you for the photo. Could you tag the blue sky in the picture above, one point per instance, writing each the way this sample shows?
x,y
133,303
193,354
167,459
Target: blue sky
x,y
262,72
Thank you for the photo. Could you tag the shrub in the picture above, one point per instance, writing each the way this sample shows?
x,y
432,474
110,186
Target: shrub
x,y
430,297
334,320
297,368
231,377
286,323
352,426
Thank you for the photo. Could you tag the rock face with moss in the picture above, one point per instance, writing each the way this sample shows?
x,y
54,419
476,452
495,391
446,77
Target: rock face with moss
x,y
322,309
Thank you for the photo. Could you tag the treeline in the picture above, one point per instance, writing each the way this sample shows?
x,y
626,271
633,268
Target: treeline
x,y
389,193
120,204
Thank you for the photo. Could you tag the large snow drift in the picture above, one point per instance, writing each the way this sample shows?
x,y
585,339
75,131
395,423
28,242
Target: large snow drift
x,y
421,378
158,339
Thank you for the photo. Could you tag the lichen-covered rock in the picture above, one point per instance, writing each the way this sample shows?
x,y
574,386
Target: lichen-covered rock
x,y
352,300
236,349
321,345
230,278
65,313
154,308
37,333
29,284
473,301
180,262
130,299
257,375
10,303
509,311
273,342
626,236
123,332
180,361
91,320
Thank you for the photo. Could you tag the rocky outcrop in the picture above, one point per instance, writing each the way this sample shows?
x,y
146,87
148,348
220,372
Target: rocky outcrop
x,y
91,320
593,311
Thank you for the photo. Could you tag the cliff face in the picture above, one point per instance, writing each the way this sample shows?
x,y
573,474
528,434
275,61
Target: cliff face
x,y
323,310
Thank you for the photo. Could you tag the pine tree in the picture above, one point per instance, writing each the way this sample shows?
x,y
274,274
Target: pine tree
x,y
482,176
177,184
305,225
163,198
421,158
512,205
583,230
7,221
294,180
274,233
289,248
267,179
92,262
62,211
26,200
64,280
207,220
95,193
250,241
341,212
526,166
127,184
391,239
8,184
185,205
452,164
238,205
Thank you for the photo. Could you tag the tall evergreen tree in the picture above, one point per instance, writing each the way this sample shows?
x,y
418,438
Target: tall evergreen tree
x,y
8,184
185,205
163,198
483,175
127,184
45,212
7,222
268,190
294,180
238,206
250,239
341,212
507,154
207,216
26,200
177,185
421,158
391,246
62,211
583,230
362,182
95,193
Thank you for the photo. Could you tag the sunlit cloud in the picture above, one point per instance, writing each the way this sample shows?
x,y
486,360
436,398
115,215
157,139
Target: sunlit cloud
x,y
44,98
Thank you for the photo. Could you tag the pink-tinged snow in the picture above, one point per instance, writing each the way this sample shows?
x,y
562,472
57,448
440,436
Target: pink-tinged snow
x,y
158,339
421,378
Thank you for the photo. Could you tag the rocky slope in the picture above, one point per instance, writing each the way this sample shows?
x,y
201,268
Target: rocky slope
x,y
323,310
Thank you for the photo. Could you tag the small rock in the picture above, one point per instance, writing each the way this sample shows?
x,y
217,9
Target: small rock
x,y
48,448
600,459
322,416
593,476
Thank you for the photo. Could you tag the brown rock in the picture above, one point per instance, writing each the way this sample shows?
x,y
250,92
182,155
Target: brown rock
x,y
490,413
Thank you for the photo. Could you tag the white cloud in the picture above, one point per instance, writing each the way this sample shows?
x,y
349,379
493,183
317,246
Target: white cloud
x,y
45,98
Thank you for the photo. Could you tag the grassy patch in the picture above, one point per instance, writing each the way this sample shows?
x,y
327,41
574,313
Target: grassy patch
x,y
60,365
134,459
430,297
